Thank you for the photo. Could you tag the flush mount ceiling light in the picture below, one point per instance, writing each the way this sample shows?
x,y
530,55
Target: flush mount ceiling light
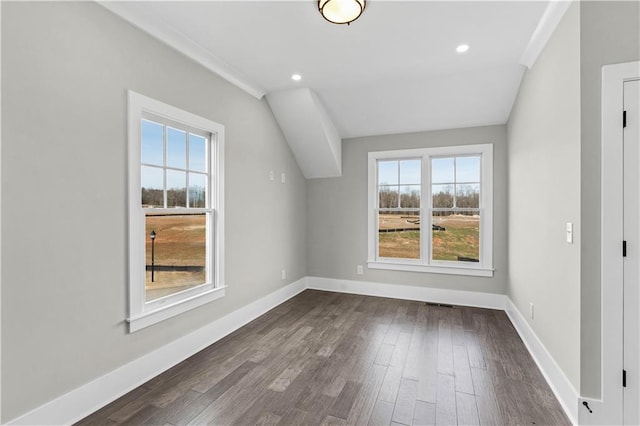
x,y
296,77
462,48
341,11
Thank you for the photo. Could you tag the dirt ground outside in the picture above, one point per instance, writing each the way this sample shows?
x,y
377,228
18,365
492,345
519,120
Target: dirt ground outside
x,y
180,241
458,238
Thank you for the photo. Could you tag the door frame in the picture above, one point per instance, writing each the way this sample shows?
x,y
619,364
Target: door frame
x,y
609,407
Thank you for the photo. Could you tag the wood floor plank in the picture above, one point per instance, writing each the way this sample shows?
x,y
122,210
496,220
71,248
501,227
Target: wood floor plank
x,y
330,358
505,398
474,350
226,408
445,347
466,409
406,401
424,414
268,419
382,412
462,370
345,400
384,354
428,369
488,410
366,400
335,387
317,410
391,383
101,416
414,357
141,416
333,421
175,411
295,417
446,413
457,327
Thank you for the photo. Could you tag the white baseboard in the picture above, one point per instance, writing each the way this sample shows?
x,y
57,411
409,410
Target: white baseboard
x,y
407,292
560,385
92,396
86,399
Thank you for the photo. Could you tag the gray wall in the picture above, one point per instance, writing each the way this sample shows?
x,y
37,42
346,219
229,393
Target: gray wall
x,y
609,34
337,212
544,194
66,68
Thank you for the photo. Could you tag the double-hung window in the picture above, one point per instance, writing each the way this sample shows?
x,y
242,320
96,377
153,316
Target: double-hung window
x,y
175,211
430,210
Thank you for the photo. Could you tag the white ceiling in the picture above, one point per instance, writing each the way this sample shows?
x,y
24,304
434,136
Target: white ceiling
x,y
393,70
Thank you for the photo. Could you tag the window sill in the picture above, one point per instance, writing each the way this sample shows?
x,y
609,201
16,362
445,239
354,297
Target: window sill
x,y
152,317
439,269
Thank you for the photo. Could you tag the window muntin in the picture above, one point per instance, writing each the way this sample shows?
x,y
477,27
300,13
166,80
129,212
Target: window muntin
x,y
176,184
446,191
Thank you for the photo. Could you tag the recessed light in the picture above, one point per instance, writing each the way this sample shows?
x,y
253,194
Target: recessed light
x,y
296,77
462,48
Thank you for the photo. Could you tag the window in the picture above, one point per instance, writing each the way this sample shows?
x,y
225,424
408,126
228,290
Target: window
x,y
430,210
176,221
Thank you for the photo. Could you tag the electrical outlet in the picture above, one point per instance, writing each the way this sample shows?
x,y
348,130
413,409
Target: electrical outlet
x,y
531,309
283,177
360,270
284,274
272,175
569,232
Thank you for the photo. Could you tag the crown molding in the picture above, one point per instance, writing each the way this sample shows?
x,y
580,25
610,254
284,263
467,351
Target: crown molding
x,y
548,23
163,32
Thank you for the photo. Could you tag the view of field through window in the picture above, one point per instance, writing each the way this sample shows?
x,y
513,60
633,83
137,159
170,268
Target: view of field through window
x,y
455,208
455,191
174,175
399,198
178,256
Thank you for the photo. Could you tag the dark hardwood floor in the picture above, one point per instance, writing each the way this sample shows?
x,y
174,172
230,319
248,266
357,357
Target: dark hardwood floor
x,y
333,359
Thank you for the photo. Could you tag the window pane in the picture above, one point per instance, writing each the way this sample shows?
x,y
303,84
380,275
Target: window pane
x,y
387,172
468,195
176,189
176,259
442,170
176,148
410,196
197,153
197,190
151,146
468,169
388,197
442,196
399,234
410,172
152,181
456,237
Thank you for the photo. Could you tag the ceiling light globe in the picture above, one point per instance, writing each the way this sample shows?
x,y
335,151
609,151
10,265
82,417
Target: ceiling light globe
x,y
341,11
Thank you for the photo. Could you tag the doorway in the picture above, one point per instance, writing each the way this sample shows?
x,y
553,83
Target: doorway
x,y
631,252
620,278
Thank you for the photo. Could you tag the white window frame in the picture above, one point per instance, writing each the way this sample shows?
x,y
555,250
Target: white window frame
x,y
484,268
141,313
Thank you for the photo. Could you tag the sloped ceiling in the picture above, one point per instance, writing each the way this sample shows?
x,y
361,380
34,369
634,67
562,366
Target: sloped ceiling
x,y
394,70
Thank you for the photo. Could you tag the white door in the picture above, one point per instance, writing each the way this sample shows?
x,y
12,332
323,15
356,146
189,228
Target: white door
x,y
631,269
